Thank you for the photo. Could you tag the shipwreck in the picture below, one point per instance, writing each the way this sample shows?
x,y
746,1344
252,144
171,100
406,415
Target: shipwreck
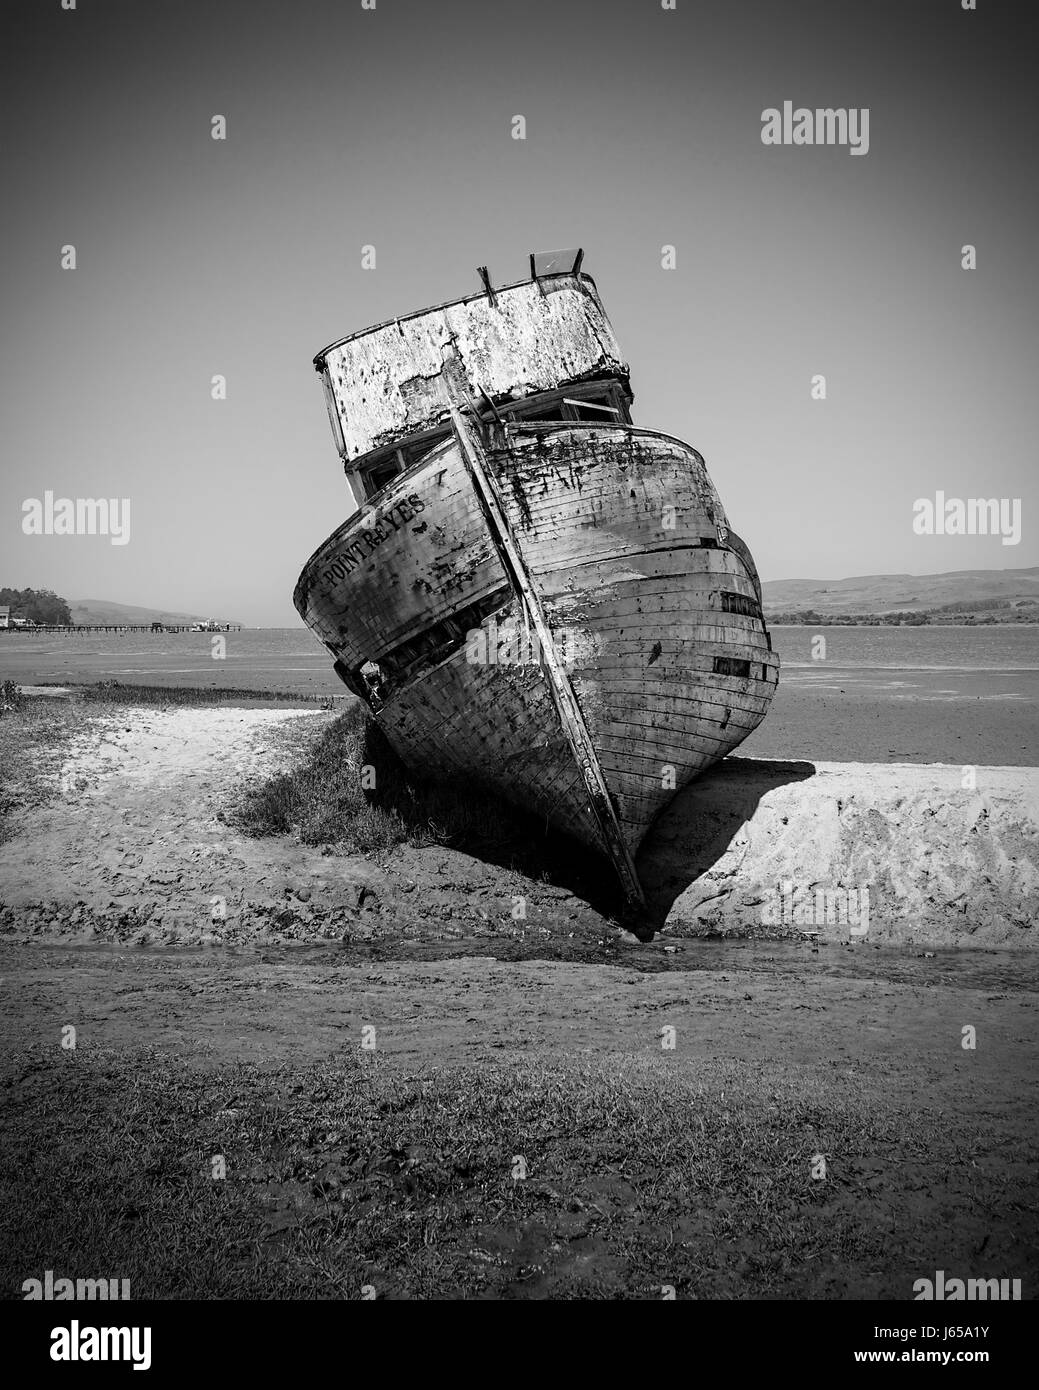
x,y
532,593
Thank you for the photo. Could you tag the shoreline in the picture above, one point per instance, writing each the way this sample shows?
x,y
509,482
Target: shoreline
x,y
132,843
959,716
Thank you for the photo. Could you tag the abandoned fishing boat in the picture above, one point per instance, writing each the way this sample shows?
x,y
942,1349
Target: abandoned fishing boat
x,y
532,593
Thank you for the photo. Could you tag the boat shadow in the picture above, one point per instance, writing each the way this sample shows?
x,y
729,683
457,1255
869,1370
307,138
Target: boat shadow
x,y
695,830
687,839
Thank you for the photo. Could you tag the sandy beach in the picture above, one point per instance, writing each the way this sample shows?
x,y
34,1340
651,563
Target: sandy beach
x,y
135,845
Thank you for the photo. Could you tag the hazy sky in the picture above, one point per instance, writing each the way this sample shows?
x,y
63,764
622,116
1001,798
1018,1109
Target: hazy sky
x,y
392,128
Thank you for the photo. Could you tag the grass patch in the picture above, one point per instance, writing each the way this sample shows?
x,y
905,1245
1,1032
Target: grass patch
x,y
325,801
350,1172
35,730
114,694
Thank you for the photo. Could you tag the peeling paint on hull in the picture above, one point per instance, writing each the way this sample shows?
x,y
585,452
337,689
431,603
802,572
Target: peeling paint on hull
x,y
387,382
627,543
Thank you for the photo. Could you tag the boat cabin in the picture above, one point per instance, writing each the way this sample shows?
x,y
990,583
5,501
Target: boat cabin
x,y
540,349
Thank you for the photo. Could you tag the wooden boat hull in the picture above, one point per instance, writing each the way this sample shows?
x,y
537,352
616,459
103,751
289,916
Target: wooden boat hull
x,y
653,604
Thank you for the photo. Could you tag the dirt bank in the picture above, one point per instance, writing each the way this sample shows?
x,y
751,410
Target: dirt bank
x,y
134,845
942,862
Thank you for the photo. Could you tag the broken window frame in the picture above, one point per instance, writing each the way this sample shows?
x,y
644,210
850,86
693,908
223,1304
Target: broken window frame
x,y
564,405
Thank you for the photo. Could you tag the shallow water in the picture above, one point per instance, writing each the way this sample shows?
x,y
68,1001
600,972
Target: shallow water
x,y
292,659
996,648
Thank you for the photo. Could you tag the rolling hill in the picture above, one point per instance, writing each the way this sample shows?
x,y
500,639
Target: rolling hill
x,y
90,611
885,593
861,594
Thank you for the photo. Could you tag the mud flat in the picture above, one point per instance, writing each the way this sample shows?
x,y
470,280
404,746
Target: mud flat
x,y
242,1035
134,845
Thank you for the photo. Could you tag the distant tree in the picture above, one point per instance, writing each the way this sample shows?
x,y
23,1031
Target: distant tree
x,y
38,605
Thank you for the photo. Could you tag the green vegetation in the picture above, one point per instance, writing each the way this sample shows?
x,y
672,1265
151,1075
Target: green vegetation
x,y
349,789
37,605
327,798
35,729
33,734
112,693
871,597
984,612
351,1173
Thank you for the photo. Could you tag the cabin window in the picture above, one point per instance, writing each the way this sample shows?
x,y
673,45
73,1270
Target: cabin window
x,y
601,416
739,603
600,410
602,407
599,403
553,414
731,666
411,453
376,475
421,652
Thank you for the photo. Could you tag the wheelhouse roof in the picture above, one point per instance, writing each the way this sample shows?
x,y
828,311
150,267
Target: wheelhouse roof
x,y
319,359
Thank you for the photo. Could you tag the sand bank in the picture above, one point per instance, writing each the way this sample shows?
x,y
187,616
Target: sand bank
x,y
895,852
134,846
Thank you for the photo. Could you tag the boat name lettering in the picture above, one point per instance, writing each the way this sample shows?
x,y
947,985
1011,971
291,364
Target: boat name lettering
x,y
369,538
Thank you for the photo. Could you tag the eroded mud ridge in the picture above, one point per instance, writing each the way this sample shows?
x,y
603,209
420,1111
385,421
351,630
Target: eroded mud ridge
x,y
135,845
903,852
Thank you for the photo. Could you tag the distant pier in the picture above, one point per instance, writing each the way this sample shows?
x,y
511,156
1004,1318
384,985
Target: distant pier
x,y
157,628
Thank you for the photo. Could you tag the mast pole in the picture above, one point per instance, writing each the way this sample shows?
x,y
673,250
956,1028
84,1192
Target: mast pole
x,y
571,718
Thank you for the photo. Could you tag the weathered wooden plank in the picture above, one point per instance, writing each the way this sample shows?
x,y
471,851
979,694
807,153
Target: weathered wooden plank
x,y
387,383
494,727
611,539
669,700
419,554
645,620
568,711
